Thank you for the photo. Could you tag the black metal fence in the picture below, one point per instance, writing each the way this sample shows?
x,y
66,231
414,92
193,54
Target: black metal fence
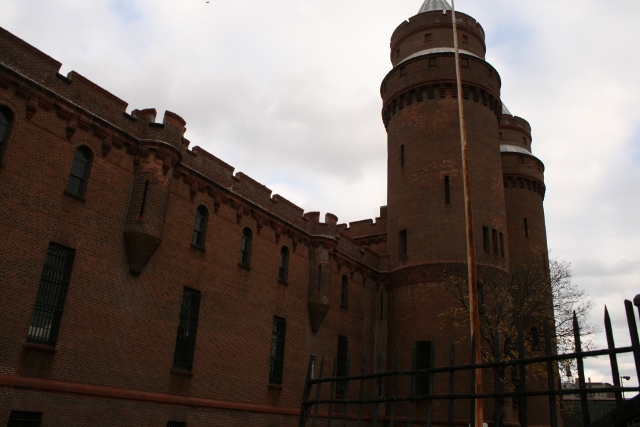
x,y
358,400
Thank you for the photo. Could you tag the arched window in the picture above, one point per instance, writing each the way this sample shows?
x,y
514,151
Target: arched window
x,y
77,183
245,247
284,264
6,118
344,292
200,228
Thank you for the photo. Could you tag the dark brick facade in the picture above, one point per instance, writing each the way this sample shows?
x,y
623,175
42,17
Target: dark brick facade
x,y
132,233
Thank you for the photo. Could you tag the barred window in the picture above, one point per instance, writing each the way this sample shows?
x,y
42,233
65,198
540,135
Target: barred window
x,y
245,247
200,227
54,282
186,340
423,361
25,419
6,118
79,171
276,366
284,264
344,292
341,363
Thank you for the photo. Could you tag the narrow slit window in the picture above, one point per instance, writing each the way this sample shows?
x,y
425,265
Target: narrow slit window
x,y
144,197
502,245
427,37
245,247
447,190
79,171
54,282
186,339
494,235
200,227
402,156
403,243
526,227
485,239
283,270
381,306
319,278
6,118
465,39
276,365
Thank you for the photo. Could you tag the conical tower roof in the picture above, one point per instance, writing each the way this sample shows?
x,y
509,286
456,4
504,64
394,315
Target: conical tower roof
x,y
430,5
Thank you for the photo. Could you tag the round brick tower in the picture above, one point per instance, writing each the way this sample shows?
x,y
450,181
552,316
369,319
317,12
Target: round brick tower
x,y
426,212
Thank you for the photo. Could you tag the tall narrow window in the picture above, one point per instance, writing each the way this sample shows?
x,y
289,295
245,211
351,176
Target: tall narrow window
x,y
494,236
381,306
25,419
143,202
403,242
402,156
485,239
423,361
5,126
200,227
502,245
447,190
284,264
54,282
186,340
341,363
526,227
245,247
79,172
276,367
344,292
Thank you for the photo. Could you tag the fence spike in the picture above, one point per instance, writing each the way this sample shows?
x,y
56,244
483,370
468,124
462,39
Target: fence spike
x,y
414,352
586,418
431,378
613,358
633,331
548,349
315,410
304,409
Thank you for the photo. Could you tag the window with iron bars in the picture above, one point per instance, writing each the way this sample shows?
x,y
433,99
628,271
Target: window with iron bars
x,y
341,363
276,367
186,340
25,419
423,361
47,311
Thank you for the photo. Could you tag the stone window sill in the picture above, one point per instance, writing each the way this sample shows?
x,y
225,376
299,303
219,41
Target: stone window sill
x,y
198,247
275,387
43,348
74,195
246,267
181,372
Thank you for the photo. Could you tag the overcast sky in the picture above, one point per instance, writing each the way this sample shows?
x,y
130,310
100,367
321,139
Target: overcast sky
x,y
287,91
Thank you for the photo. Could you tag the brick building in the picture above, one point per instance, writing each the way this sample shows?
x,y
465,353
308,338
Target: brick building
x,y
145,283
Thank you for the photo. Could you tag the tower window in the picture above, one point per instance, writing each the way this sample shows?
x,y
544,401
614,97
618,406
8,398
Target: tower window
x,y
245,247
25,419
423,361
402,156
381,306
485,239
341,363
176,424
526,227
403,242
54,282
344,292
465,62
6,118
494,235
524,140
200,227
186,340
427,37
535,338
433,61
276,365
403,71
500,135
143,202
521,159
465,39
284,264
502,245
79,172
447,190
